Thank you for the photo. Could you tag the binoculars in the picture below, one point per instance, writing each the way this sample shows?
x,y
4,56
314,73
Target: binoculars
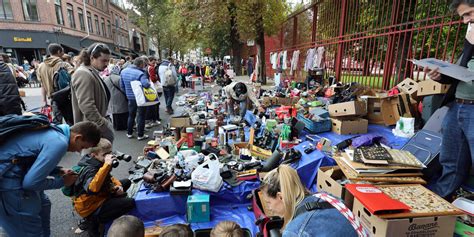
x,y
120,156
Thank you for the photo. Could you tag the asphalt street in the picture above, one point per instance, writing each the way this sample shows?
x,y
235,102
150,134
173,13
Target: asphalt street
x,y
63,218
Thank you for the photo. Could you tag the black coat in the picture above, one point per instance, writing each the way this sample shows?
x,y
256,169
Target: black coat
x,y
10,101
467,55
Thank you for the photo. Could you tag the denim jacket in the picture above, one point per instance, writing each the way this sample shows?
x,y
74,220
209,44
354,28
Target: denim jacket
x,y
320,222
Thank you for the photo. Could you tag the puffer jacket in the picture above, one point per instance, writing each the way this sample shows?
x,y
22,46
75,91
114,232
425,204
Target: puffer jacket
x,y
46,72
10,101
93,186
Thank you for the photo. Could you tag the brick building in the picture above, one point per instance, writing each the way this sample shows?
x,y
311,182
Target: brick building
x,y
28,26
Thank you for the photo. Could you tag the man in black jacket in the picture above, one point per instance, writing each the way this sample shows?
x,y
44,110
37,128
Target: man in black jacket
x,y
457,150
10,101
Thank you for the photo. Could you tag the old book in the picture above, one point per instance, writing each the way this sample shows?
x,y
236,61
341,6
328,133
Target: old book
x,y
374,155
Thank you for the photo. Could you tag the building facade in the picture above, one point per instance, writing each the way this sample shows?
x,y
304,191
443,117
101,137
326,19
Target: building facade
x,y
27,27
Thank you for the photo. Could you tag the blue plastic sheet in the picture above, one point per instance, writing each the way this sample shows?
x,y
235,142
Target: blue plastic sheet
x,y
386,132
231,203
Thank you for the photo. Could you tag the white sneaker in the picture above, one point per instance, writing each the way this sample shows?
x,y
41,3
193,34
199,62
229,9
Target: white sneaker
x,y
142,138
129,136
149,125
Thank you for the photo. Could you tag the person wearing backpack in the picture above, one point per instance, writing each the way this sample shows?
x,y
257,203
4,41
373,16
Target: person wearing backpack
x,y
28,166
169,77
10,100
54,67
118,104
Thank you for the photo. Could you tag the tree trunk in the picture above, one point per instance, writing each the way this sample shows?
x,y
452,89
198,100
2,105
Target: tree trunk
x,y
235,39
262,77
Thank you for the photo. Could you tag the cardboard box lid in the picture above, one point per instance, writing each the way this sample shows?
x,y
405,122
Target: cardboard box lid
x,y
408,86
348,109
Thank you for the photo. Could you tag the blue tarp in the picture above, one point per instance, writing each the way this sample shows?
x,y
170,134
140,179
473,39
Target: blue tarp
x,y
230,203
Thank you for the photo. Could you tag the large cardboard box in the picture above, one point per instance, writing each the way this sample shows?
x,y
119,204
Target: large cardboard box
x,y
382,110
327,182
430,87
180,122
350,108
439,226
408,86
287,101
350,125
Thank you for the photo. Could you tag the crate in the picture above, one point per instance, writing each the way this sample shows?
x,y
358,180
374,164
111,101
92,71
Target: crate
x,y
315,127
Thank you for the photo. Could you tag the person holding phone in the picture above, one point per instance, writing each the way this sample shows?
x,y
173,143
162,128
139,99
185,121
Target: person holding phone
x,y
457,149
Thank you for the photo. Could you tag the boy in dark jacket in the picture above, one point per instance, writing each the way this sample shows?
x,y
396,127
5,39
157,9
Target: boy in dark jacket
x,y
99,197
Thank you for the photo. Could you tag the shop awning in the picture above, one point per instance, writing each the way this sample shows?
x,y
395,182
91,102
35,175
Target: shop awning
x,y
69,48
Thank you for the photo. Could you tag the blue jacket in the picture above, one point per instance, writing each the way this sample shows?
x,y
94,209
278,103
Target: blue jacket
x,y
48,145
322,222
133,73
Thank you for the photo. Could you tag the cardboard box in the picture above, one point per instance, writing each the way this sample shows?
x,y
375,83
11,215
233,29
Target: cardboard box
x,y
349,126
382,110
198,209
287,101
405,106
351,108
439,226
22,93
180,122
430,87
408,86
269,101
326,181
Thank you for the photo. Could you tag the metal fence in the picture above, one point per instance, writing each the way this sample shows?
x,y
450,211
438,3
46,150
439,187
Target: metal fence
x,y
369,41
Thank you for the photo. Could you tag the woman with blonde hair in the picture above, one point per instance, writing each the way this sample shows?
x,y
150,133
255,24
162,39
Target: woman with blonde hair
x,y
303,213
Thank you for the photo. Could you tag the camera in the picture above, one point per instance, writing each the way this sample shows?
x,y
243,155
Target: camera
x,y
120,156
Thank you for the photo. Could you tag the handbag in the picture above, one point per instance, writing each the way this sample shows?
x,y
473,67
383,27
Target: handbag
x,y
144,96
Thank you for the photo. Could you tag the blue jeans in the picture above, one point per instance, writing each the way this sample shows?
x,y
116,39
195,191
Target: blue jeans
x,y
169,95
457,149
132,113
25,213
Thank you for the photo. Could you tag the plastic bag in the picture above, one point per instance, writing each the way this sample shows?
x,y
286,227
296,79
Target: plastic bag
x,y
144,96
405,127
207,176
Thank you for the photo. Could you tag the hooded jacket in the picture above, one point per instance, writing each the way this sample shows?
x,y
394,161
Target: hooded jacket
x,y
46,72
93,186
10,101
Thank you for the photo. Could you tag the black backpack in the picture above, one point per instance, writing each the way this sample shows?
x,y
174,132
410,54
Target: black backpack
x,y
13,124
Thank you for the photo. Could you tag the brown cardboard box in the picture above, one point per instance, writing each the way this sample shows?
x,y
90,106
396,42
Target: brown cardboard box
x,y
408,86
326,182
350,126
22,93
439,226
430,87
382,110
269,101
405,106
287,101
180,122
351,108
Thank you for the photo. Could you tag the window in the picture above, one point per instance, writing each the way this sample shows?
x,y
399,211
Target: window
x,y
59,12
116,22
104,33
70,16
97,26
106,2
89,22
94,2
5,10
30,10
109,29
81,19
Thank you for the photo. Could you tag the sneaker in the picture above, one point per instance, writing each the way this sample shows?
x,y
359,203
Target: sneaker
x,y
142,138
129,136
149,125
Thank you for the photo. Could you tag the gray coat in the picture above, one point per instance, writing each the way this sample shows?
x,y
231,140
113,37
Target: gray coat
x,y
89,99
118,101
